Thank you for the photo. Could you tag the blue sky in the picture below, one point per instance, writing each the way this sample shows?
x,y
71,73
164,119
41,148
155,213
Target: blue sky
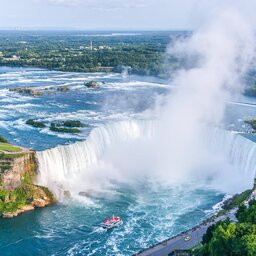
x,y
115,14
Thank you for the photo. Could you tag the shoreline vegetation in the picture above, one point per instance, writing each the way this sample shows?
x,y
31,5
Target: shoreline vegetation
x,y
233,237
18,191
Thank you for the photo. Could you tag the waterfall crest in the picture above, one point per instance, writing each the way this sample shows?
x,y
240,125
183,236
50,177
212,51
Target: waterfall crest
x,y
66,166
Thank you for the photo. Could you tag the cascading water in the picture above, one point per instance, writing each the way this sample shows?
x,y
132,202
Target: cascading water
x,y
61,165
87,165
238,150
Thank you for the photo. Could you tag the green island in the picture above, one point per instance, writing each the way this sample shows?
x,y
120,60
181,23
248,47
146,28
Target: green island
x,y
36,124
68,126
64,129
18,191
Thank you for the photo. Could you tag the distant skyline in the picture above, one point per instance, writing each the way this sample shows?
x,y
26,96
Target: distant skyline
x,y
115,14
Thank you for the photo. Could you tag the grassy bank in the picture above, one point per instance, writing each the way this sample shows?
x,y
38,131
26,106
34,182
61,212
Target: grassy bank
x,y
9,148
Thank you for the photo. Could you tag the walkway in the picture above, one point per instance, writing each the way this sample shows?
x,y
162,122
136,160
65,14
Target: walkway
x,y
178,242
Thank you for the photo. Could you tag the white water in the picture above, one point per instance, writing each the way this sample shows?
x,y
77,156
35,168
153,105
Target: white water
x,y
112,152
63,166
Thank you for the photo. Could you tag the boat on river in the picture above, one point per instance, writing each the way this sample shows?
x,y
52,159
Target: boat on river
x,y
112,222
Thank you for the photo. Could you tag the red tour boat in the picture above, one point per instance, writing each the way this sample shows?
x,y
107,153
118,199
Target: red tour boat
x,y
112,222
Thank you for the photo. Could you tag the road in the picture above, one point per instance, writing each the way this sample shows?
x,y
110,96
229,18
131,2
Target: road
x,y
179,243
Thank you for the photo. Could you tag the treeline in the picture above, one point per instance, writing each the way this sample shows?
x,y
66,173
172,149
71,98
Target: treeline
x,y
143,53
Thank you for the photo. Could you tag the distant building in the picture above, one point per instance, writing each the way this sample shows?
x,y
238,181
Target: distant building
x,y
13,57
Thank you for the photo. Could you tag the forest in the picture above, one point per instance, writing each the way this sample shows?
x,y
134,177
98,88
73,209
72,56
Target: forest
x,y
140,53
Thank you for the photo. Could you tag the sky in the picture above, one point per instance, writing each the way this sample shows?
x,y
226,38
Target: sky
x,y
115,14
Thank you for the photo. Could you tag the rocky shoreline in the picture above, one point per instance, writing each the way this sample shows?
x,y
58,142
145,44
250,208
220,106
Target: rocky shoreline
x,y
37,203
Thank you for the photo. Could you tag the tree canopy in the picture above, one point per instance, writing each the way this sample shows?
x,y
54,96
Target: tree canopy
x,y
232,239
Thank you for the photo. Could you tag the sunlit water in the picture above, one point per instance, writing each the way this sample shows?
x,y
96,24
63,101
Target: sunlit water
x,y
151,211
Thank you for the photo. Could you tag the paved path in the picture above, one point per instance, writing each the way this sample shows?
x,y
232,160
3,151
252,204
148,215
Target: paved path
x,y
179,243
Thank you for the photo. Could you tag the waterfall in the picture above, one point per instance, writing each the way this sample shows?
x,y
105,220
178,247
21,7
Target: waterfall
x,y
59,165
238,150
67,167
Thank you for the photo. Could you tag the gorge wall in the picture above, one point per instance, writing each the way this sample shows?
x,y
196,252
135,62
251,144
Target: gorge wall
x,y
18,193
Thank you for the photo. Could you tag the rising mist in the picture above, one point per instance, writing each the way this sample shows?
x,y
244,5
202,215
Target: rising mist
x,y
176,147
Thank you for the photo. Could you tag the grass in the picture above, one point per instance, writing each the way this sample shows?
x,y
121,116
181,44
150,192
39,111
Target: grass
x,y
9,148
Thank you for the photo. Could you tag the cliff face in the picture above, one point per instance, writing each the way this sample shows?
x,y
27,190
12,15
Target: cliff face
x,y
21,167
18,193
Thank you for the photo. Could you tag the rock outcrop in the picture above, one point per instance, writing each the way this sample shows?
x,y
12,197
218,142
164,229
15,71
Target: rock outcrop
x,y
92,84
18,192
21,165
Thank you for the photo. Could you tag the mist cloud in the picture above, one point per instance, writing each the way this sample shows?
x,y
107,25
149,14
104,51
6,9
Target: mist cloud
x,y
220,53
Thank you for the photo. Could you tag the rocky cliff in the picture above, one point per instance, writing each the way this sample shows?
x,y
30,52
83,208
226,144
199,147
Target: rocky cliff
x,y
18,192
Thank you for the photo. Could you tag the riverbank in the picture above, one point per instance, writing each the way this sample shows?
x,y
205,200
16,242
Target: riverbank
x,y
18,191
188,240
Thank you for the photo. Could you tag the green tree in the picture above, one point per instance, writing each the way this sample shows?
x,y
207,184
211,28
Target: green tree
x,y
222,242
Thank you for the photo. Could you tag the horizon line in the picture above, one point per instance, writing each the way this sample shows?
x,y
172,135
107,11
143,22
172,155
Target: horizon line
x,y
93,29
